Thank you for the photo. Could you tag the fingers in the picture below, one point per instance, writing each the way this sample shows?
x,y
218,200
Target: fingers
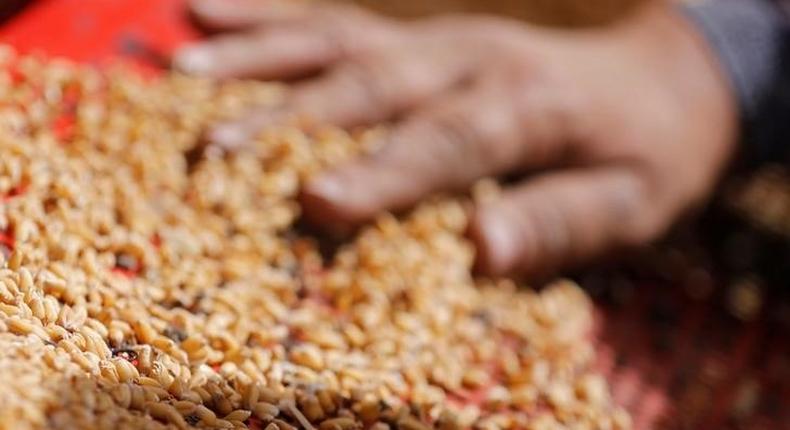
x,y
283,53
476,133
288,41
368,90
562,218
223,15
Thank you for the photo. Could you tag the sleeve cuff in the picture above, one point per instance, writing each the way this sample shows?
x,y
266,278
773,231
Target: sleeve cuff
x,y
748,36
750,39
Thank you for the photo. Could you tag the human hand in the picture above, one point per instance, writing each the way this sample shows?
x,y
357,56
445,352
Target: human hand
x,y
622,129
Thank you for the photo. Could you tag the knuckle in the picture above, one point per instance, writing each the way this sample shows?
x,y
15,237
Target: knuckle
x,y
545,231
382,82
453,130
452,140
351,30
338,40
367,77
554,233
556,117
639,216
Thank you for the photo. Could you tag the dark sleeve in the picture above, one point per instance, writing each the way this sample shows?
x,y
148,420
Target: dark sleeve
x,y
752,39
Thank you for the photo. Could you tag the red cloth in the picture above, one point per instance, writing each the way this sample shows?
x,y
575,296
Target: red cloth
x,y
97,30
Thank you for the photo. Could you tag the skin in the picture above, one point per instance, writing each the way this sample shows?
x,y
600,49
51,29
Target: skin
x,y
618,131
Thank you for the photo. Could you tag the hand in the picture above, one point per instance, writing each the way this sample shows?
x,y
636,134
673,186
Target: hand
x,y
622,129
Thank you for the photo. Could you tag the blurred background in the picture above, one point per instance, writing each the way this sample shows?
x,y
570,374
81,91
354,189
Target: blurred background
x,y
692,333
549,12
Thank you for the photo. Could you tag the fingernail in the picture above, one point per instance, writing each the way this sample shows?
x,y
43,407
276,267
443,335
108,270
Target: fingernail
x,y
324,202
499,247
228,136
327,187
195,60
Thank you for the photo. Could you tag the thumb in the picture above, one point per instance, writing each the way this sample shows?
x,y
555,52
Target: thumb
x,y
563,218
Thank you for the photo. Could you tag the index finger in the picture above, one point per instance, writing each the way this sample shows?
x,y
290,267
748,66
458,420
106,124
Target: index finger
x,y
369,89
224,15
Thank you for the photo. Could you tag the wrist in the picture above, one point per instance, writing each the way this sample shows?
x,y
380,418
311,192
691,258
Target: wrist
x,y
748,38
671,48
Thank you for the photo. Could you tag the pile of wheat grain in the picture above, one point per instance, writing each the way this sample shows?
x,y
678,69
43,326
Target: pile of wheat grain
x,y
142,286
